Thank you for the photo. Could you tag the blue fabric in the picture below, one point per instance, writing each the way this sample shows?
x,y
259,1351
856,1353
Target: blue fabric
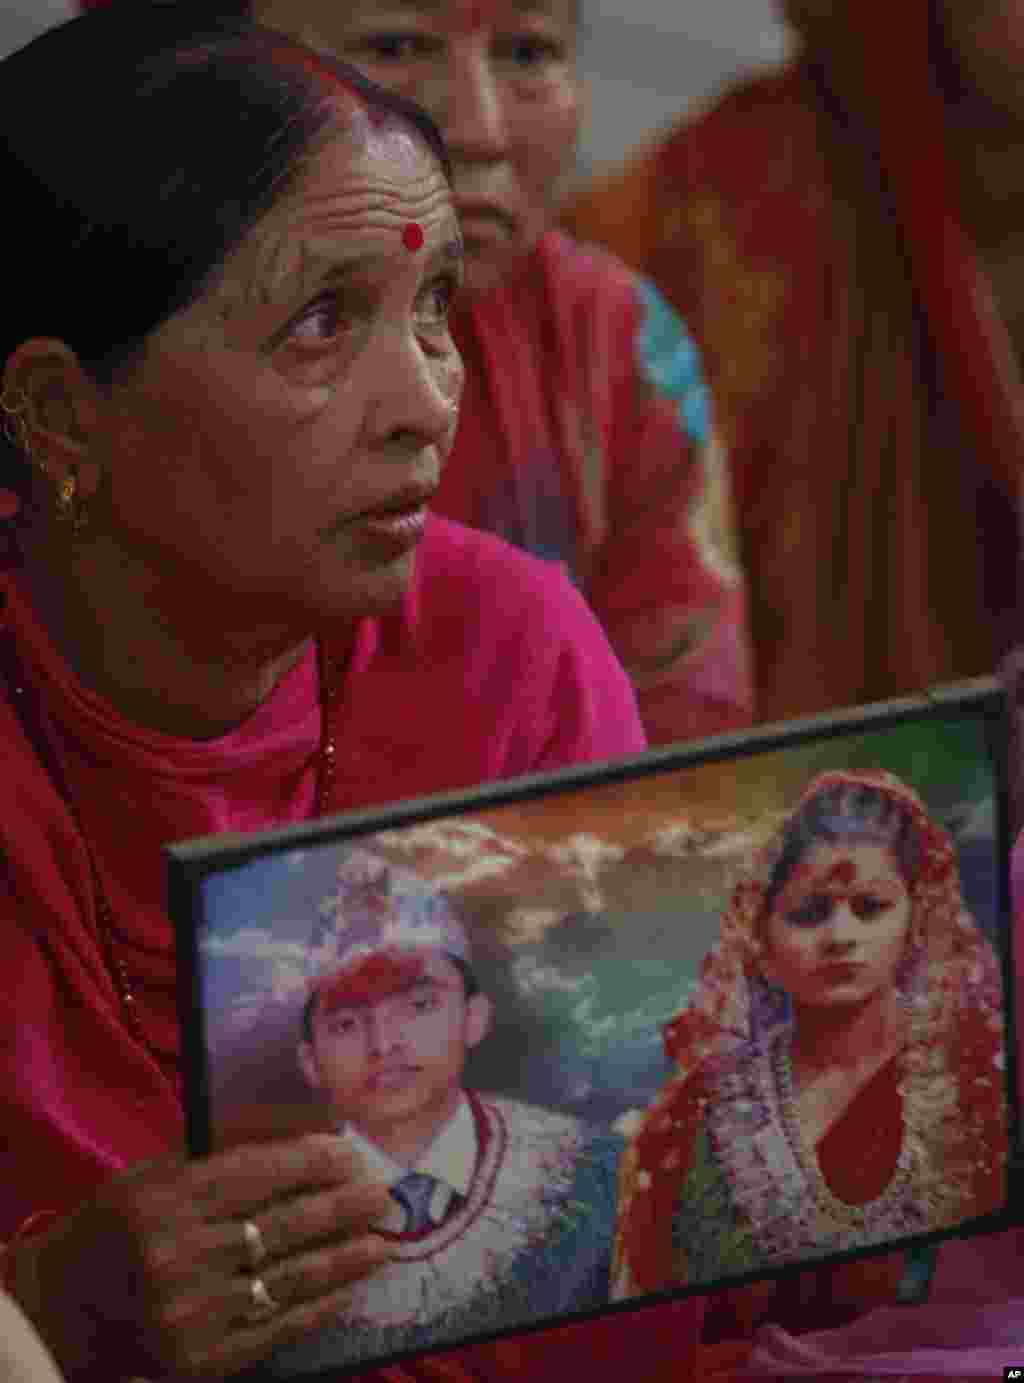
x,y
668,359
414,1193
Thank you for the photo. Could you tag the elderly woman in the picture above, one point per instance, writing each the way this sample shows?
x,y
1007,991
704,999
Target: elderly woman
x,y
584,434
840,1069
861,313
229,388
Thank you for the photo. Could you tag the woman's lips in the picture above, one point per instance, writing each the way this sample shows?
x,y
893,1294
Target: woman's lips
x,y
402,528
394,1078
841,971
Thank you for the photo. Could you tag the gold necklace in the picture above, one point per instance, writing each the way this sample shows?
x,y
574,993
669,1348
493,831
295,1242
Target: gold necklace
x,y
838,1213
326,771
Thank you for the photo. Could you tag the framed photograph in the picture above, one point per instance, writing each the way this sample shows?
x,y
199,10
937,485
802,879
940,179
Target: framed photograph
x,y
654,1027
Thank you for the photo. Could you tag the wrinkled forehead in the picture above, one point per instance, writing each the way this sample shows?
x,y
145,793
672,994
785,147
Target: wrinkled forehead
x,y
312,19
358,184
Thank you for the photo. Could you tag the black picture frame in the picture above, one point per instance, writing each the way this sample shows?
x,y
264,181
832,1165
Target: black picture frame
x,y
980,703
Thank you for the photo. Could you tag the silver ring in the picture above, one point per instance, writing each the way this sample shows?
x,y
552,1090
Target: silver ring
x,y
263,1304
254,1245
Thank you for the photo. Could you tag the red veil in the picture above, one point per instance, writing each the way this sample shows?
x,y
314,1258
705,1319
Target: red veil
x,y
951,983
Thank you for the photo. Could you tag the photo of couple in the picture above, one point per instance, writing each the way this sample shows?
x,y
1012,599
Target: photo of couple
x,y
833,1077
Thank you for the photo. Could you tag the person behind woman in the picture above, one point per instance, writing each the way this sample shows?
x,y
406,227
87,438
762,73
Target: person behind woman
x,y
584,435
840,1068
860,312
230,388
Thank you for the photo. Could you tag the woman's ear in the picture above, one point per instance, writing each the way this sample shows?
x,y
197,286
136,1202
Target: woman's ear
x,y
307,1065
63,405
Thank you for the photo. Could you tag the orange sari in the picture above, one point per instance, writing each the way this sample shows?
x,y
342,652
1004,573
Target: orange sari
x,y
806,228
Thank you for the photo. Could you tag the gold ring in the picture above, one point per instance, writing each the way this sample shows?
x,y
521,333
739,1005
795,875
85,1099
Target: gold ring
x,y
254,1245
263,1304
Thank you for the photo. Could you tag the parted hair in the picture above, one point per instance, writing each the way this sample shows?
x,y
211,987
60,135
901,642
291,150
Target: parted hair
x,y
855,813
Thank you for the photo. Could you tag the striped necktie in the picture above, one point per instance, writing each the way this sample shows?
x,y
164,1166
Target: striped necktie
x,y
414,1193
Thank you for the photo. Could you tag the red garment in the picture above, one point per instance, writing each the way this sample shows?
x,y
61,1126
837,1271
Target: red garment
x,y
575,443
492,632
871,1124
862,379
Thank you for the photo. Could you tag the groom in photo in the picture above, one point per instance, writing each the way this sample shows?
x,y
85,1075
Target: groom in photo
x,y
503,1213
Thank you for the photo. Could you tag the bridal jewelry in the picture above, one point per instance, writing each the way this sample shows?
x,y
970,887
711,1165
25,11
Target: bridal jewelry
x,y
837,1213
255,1248
263,1304
14,404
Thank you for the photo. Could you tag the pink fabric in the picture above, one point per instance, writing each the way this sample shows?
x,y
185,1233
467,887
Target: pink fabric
x,y
973,1324
495,668
921,1343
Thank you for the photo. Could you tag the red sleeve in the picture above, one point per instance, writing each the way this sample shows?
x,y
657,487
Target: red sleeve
x,y
670,597
653,493
658,1344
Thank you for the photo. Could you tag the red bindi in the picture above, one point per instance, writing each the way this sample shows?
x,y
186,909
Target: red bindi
x,y
842,873
412,237
470,17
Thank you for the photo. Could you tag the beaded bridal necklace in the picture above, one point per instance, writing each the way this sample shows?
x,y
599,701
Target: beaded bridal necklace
x,y
43,735
838,1214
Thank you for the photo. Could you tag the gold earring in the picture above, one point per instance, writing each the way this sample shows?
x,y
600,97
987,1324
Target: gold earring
x,y
15,404
71,507
66,491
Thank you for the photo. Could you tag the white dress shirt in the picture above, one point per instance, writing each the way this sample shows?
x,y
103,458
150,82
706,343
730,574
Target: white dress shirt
x,y
450,1159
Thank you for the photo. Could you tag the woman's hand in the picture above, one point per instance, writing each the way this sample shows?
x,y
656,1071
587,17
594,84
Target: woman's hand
x,y
154,1274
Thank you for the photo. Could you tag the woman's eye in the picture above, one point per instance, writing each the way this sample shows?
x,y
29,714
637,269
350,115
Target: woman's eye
x,y
868,905
529,52
319,323
397,47
813,913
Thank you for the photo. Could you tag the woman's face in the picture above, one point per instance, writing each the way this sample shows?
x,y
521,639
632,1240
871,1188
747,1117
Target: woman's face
x,y
839,928
498,77
312,384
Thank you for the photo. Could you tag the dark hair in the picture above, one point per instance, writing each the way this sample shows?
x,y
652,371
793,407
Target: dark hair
x,y
470,986
140,143
855,812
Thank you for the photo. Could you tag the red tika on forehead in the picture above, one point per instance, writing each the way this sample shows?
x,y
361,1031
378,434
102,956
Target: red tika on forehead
x,y
470,16
377,977
412,237
842,873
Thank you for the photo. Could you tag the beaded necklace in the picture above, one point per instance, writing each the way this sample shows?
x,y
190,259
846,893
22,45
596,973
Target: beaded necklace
x,y
43,735
838,1214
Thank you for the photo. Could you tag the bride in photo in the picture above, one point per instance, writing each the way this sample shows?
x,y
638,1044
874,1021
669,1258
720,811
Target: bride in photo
x,y
840,1067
